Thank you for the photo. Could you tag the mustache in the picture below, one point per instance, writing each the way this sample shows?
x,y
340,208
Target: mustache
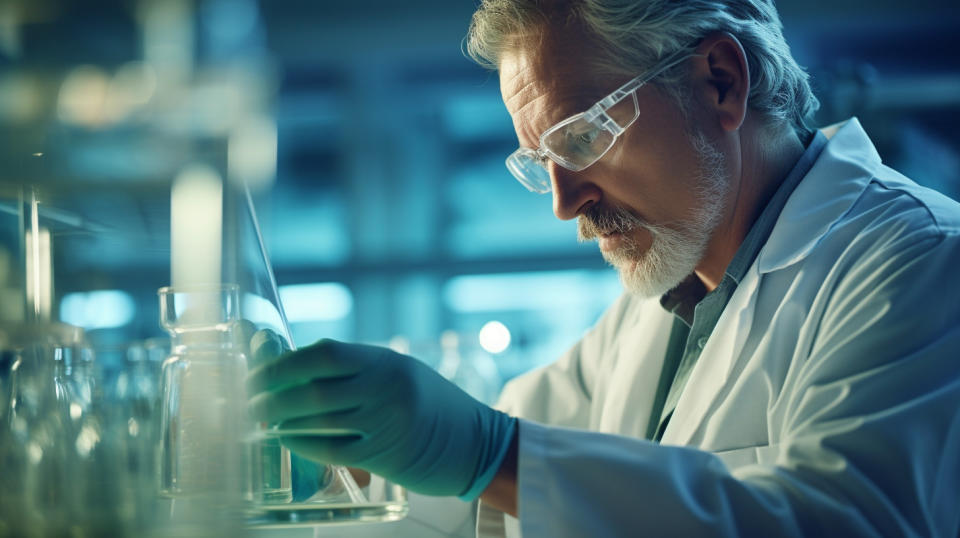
x,y
600,220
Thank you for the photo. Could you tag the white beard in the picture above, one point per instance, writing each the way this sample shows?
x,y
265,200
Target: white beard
x,y
675,250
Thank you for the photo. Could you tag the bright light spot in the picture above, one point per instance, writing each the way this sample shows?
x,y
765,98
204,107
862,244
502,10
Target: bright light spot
x,y
399,344
122,385
83,97
87,440
98,309
75,411
39,271
34,452
133,427
132,86
494,337
328,301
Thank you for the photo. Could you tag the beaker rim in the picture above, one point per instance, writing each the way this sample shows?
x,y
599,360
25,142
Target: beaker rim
x,y
191,288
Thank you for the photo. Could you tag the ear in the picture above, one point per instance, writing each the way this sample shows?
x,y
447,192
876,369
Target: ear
x,y
722,78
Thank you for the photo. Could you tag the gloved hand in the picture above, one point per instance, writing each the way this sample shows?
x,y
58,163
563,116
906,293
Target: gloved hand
x,y
383,412
265,346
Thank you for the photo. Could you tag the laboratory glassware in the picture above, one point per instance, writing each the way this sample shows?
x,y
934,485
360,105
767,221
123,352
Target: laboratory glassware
x,y
34,448
115,480
62,448
206,465
60,462
471,369
324,493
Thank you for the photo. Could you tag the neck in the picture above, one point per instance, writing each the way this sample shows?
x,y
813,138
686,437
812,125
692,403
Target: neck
x,y
758,160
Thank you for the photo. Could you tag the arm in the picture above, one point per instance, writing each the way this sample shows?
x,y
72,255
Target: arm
x,y
502,491
870,442
557,394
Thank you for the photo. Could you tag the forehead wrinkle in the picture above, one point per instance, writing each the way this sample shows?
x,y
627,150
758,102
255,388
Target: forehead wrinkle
x,y
524,120
526,80
527,88
570,91
511,81
541,89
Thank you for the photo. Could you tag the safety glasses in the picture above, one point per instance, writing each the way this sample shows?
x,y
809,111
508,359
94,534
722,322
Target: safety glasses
x,y
583,139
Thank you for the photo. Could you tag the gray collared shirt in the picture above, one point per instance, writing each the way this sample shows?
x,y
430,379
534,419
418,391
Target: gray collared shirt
x,y
697,312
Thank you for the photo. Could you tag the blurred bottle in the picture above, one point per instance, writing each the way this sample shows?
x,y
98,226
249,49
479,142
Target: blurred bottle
x,y
134,419
36,497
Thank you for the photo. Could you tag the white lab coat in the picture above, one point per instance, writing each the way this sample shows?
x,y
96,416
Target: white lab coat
x,y
826,402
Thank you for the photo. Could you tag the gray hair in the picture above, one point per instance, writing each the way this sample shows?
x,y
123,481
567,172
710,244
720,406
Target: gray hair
x,y
634,35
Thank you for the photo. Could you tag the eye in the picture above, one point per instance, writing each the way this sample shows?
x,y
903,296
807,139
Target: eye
x,y
587,137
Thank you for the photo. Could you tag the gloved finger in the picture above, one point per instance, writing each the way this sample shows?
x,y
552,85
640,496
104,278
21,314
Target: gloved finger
x,y
325,359
342,424
242,333
309,398
341,450
265,346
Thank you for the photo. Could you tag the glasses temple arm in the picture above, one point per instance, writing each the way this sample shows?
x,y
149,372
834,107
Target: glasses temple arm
x,y
631,86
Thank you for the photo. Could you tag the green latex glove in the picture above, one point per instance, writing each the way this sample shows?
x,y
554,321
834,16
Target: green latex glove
x,y
387,413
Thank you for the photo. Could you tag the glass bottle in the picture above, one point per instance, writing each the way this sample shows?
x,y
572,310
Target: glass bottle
x,y
36,498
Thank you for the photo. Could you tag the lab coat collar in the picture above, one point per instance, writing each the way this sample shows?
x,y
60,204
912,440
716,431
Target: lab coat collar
x,y
822,197
835,181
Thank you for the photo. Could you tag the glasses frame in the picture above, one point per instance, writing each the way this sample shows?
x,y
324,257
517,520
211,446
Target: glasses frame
x,y
596,115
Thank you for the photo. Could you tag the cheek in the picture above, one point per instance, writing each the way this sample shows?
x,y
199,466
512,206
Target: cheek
x,y
656,181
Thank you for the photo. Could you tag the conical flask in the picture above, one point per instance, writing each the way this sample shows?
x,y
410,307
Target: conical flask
x,y
246,263
323,494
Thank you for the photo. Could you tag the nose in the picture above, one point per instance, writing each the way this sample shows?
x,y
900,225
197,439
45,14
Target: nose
x,y
573,193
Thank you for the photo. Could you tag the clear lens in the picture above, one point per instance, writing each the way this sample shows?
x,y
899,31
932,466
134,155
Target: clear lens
x,y
527,166
577,143
574,143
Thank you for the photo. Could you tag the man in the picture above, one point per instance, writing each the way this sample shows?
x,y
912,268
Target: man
x,y
784,361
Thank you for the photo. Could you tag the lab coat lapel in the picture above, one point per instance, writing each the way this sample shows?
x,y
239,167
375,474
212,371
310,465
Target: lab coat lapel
x,y
629,389
820,200
719,360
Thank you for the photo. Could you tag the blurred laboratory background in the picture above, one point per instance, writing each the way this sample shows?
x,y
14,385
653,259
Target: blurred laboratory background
x,y
374,150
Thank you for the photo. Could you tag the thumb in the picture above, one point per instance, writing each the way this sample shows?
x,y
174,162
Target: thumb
x,y
266,345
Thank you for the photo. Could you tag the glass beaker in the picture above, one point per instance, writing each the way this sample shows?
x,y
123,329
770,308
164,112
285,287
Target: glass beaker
x,y
206,455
